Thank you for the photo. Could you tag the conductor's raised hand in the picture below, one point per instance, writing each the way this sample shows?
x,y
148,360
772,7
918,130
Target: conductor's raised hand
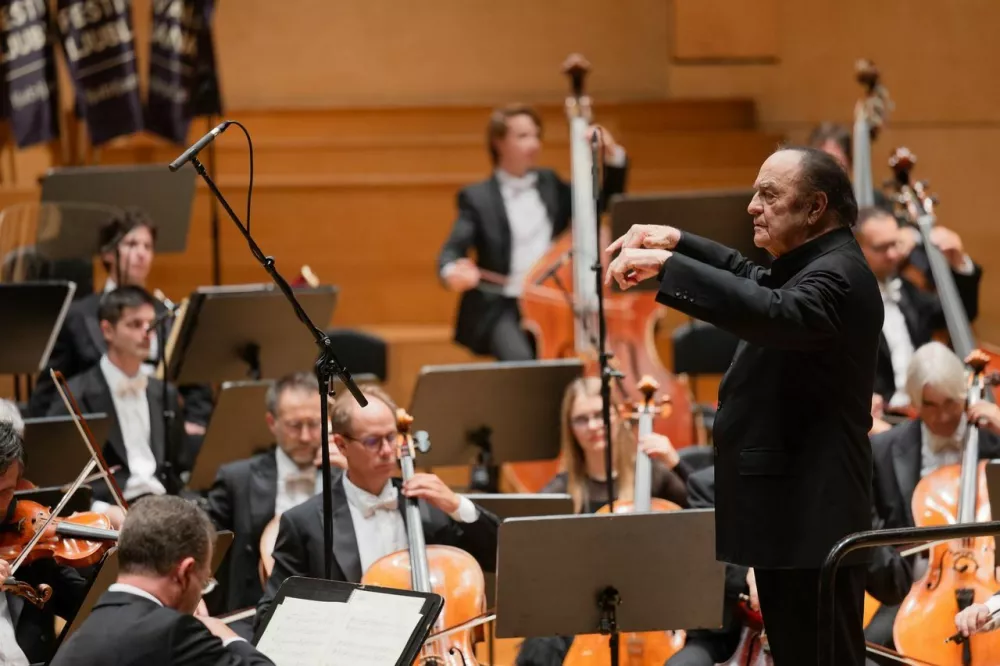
x,y
431,488
634,265
648,236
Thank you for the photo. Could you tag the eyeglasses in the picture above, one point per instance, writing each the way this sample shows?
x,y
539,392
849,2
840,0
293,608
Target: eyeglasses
x,y
210,585
296,426
583,420
374,442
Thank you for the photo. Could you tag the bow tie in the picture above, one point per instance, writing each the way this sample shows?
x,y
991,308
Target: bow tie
x,y
369,505
301,478
517,184
132,386
893,290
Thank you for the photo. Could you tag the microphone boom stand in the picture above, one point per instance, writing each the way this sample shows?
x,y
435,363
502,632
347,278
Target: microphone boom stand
x,y
327,364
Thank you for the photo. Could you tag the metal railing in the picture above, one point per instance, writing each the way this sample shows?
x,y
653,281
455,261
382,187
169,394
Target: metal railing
x,y
872,539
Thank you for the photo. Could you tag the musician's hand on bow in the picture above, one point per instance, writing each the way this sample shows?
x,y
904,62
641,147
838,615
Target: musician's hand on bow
x,y
605,139
461,275
658,447
648,236
217,627
950,245
752,585
431,488
115,515
337,459
985,415
632,266
4,570
194,429
972,619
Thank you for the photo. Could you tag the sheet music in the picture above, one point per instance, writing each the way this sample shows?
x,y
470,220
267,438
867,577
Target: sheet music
x,y
371,629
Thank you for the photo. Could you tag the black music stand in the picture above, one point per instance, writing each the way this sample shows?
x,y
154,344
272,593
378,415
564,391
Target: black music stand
x,y
35,313
244,331
720,215
304,630
492,413
609,573
54,454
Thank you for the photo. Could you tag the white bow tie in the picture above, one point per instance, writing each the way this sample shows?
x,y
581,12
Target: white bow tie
x,y
519,183
132,386
369,506
894,290
304,478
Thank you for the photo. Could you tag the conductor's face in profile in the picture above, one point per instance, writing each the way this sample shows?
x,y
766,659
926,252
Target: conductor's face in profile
x,y
783,216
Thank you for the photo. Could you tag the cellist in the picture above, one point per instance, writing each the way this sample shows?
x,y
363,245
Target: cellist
x,y
367,516
510,220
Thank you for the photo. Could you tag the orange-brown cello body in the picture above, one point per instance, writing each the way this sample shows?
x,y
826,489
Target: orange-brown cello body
x,y
74,552
752,650
927,615
631,324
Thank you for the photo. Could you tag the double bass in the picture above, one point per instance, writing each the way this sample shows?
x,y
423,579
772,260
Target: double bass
x,y
563,319
445,570
651,648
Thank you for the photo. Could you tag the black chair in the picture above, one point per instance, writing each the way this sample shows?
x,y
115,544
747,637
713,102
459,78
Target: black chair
x,y
363,353
703,349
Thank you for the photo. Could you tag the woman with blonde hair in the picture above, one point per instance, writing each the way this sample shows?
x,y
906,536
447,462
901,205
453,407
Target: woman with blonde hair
x,y
583,455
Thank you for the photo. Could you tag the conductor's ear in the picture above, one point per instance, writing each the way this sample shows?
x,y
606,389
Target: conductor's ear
x,y
817,207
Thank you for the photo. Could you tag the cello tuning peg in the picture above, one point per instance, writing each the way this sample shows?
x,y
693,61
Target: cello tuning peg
x,y
422,441
977,360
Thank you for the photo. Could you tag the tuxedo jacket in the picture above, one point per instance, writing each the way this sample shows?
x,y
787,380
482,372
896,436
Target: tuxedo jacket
x,y
482,225
298,550
242,500
78,348
125,629
172,453
792,457
898,459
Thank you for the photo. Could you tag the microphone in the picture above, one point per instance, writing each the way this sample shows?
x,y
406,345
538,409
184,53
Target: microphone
x,y
193,151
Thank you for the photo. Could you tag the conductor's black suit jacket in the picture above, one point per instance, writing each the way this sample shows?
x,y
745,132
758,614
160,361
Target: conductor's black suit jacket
x,y
793,463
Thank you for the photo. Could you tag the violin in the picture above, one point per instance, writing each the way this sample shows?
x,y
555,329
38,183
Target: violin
x,y
564,319
752,650
80,540
651,648
444,570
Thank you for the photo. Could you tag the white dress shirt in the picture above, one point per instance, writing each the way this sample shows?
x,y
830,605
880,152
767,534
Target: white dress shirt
x,y
132,412
897,337
11,653
295,486
378,522
139,592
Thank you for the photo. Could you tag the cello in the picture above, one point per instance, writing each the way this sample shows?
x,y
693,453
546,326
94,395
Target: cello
x,y
651,648
563,319
445,570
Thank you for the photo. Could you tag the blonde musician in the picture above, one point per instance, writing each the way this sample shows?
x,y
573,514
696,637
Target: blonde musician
x,y
911,314
583,446
510,220
248,494
367,511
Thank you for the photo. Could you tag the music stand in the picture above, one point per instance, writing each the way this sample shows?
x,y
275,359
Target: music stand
x,y
51,496
608,573
720,215
165,197
26,340
300,626
235,332
492,413
993,480
53,451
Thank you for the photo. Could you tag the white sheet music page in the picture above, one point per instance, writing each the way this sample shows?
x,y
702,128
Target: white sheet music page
x,y
371,629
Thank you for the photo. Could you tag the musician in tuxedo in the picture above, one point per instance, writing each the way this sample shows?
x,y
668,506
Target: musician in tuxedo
x,y
937,387
911,314
368,510
147,458
146,618
793,461
128,247
248,494
510,220
27,632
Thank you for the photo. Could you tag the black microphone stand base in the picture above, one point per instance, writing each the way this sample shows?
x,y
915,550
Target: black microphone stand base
x,y
608,601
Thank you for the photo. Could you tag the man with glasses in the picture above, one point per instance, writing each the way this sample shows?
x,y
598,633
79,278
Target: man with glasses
x,y
367,507
911,314
248,494
146,617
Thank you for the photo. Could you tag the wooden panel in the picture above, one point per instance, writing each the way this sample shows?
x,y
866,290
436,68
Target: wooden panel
x,y
725,30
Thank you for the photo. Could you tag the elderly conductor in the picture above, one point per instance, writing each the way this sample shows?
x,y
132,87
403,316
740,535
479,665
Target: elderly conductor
x,y
792,458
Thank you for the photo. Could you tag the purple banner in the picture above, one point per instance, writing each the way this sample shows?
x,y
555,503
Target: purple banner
x,y
181,67
100,51
29,93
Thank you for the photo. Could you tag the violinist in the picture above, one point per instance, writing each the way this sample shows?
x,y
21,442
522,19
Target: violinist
x,y
582,451
911,314
27,633
247,494
128,243
510,220
937,387
148,616
367,514
149,460
12,415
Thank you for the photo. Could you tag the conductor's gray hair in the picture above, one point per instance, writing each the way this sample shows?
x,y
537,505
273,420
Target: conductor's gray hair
x,y
9,413
935,365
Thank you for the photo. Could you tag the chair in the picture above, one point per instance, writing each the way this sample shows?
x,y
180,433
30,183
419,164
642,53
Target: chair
x,y
697,456
363,353
703,349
